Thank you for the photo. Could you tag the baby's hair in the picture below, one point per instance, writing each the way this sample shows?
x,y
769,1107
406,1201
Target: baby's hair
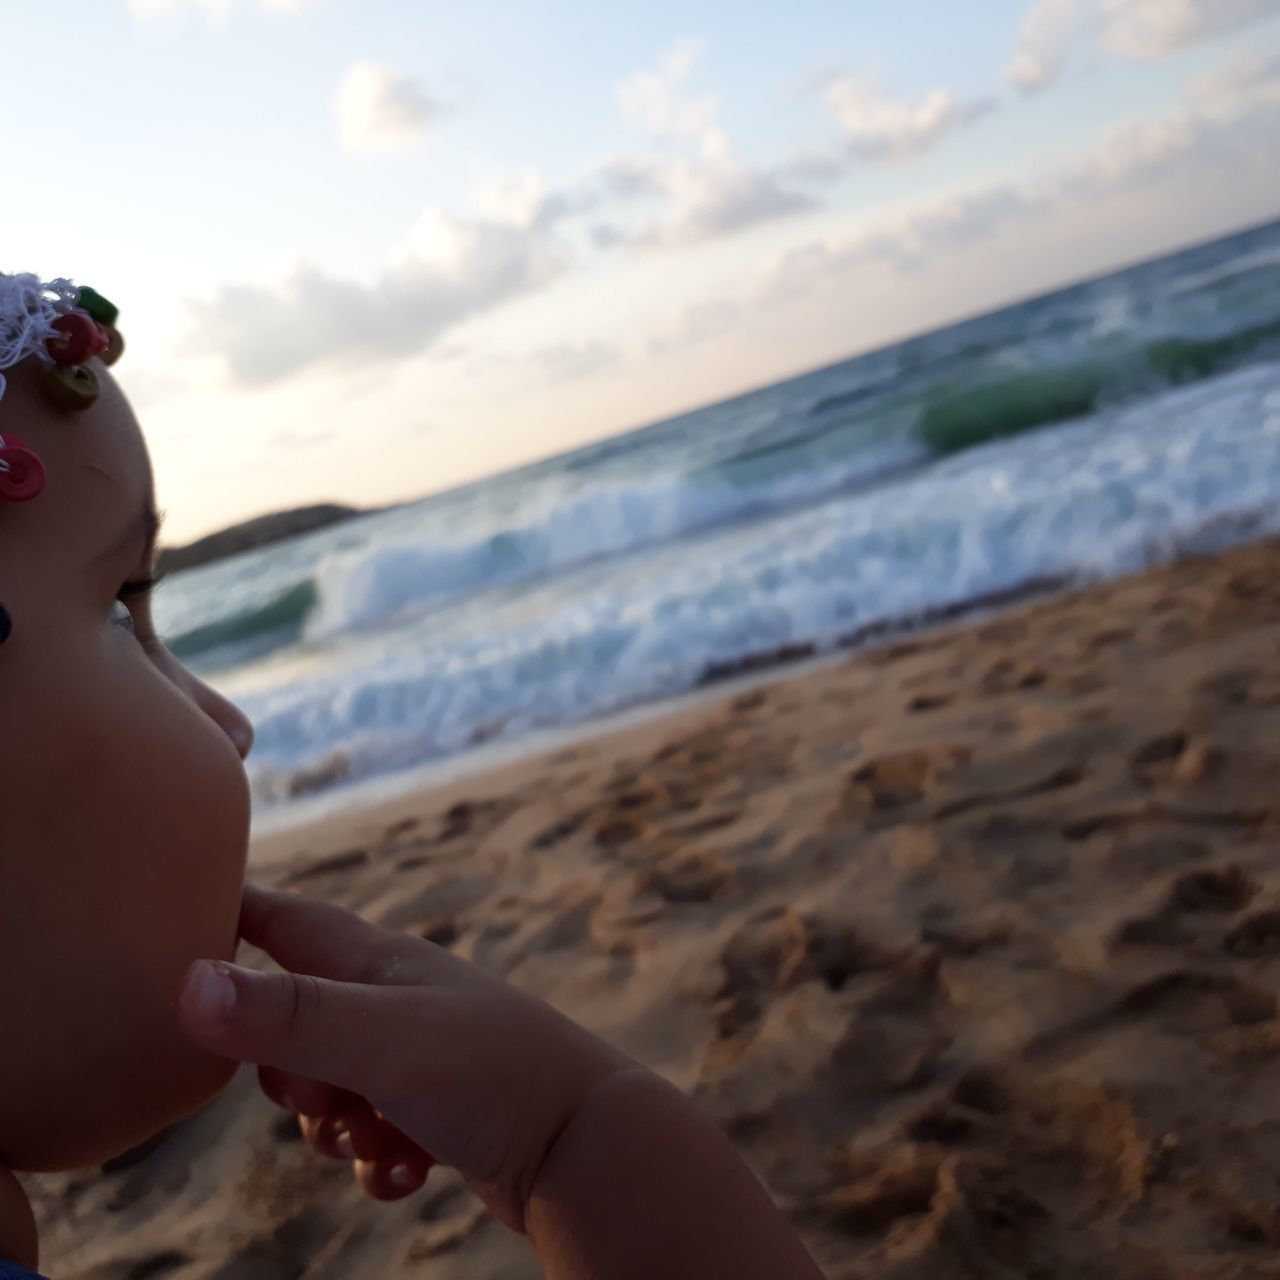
x,y
28,309
63,326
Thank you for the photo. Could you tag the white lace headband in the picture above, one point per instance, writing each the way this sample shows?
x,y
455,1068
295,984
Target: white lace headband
x,y
63,325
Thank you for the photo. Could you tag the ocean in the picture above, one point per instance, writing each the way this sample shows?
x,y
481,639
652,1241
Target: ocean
x,y
1093,431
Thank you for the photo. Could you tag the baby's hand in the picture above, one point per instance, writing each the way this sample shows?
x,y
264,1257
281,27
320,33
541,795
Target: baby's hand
x,y
459,1063
342,1125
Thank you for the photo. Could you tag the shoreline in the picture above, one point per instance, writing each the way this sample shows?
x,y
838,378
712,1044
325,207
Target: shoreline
x,y
272,824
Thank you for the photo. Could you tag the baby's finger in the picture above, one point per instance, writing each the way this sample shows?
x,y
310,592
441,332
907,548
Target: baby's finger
x,y
372,1040
305,1096
328,1135
392,1180
373,1137
307,936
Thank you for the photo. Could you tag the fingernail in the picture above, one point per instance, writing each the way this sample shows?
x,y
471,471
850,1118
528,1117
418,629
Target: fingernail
x,y
401,1178
344,1144
209,992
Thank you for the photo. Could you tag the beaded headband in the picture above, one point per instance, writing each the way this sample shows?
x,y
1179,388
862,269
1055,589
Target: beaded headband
x,y
64,326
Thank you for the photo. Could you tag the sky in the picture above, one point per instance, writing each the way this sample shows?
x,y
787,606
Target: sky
x,y
365,251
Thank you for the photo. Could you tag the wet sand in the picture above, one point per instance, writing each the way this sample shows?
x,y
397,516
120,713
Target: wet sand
x,y
971,944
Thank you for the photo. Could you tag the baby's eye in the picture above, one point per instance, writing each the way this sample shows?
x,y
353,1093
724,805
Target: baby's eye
x,y
121,617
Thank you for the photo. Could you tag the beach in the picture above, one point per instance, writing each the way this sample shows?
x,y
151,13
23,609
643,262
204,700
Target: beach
x,y
970,942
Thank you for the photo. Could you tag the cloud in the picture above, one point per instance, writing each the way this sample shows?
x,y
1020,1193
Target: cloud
x,y
290,439
904,243
1222,130
655,99
1048,33
569,361
716,195
217,10
378,109
1134,29
698,324
1242,83
1156,28
880,127
523,200
694,168
1226,123
449,270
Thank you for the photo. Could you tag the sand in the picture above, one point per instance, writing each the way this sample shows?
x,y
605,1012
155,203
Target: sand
x,y
971,944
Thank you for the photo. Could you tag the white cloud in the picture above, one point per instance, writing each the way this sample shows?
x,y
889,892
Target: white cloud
x,y
515,198
1134,29
523,200
378,109
656,99
697,324
881,127
1240,84
1155,28
1228,118
905,242
1221,133
216,10
713,192
1048,32
569,361
448,270
696,170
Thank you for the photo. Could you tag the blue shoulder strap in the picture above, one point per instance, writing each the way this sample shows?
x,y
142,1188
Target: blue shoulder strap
x,y
11,1271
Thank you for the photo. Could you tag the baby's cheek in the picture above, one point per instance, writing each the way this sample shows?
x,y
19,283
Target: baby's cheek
x,y
173,811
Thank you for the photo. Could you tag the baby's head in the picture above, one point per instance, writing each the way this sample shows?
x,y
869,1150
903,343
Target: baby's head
x,y
123,801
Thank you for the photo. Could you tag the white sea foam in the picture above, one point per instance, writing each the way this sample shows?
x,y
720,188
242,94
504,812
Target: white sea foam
x,y
1189,470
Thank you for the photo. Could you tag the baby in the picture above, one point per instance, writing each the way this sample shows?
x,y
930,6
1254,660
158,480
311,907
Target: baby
x,y
123,856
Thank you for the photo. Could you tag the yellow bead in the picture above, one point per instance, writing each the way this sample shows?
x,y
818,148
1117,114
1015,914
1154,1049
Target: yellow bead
x,y
115,345
71,386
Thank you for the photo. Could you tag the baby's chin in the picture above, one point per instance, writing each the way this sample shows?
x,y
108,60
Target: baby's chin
x,y
113,1122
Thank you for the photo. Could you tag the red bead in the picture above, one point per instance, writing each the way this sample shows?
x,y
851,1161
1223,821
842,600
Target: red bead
x,y
81,337
22,477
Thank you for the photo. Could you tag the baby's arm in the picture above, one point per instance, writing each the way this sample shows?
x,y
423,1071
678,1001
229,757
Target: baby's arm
x,y
610,1171
641,1184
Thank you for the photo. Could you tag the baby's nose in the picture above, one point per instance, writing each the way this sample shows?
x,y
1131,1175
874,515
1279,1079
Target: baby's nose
x,y
238,727
228,717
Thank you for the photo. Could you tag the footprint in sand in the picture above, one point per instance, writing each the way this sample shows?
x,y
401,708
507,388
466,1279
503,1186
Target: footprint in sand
x,y
1195,1001
1011,676
1181,1002
335,865
1220,890
1161,929
1174,756
1257,934
781,947
560,830
1059,779
163,1263
923,702
686,879
1245,687
1214,889
892,782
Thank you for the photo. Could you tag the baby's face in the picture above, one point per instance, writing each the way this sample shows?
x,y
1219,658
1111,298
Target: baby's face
x,y
123,806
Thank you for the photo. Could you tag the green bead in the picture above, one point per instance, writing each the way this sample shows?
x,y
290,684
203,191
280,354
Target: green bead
x,y
71,386
103,310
